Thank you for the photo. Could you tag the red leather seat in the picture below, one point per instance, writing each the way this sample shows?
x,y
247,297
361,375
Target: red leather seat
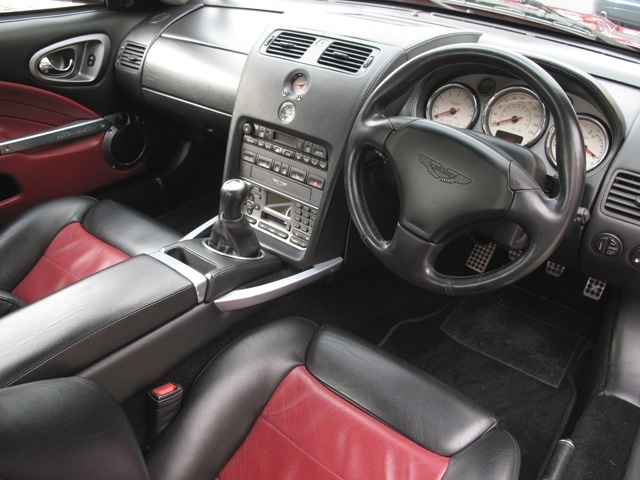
x,y
63,241
287,400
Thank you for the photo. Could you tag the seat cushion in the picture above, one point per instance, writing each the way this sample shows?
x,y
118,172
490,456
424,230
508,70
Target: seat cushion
x,y
335,441
292,400
72,255
62,241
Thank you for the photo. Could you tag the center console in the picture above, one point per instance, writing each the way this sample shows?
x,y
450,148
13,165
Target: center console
x,y
287,175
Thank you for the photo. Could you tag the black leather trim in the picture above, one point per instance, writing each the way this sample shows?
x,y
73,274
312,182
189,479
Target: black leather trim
x,y
496,456
632,471
408,400
128,230
74,327
9,303
23,241
227,399
65,428
623,378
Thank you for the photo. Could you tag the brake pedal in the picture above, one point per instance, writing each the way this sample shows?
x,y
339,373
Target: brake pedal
x,y
515,254
594,289
554,269
480,257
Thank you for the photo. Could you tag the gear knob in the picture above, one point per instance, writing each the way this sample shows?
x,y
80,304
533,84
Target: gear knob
x,y
232,194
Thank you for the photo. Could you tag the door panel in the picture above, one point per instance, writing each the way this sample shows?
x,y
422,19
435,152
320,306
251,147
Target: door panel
x,y
30,103
39,174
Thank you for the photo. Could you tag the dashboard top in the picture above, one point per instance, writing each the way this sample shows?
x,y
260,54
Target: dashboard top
x,y
303,69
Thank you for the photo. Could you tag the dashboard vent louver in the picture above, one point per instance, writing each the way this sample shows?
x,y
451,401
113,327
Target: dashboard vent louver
x,y
347,57
131,56
623,198
290,44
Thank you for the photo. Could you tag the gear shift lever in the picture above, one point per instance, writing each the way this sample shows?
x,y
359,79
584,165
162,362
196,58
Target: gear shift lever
x,y
232,233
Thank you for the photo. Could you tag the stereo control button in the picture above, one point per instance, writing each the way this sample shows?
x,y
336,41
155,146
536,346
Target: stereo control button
x,y
248,156
298,175
264,162
316,182
319,151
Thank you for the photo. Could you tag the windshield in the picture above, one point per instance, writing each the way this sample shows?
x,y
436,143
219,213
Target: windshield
x,y
612,22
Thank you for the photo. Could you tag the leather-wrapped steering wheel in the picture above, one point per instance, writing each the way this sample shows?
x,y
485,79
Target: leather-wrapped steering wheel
x,y
449,179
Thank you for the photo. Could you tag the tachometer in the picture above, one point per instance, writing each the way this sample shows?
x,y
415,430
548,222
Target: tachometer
x,y
453,104
516,114
596,142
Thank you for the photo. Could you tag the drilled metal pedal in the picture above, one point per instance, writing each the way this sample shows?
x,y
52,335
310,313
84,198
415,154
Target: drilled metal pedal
x,y
480,257
594,289
515,254
554,269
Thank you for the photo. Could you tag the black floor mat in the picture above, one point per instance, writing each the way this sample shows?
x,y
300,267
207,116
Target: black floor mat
x,y
540,343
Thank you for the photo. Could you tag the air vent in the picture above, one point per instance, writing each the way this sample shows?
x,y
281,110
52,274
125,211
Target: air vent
x,y
290,44
347,57
131,56
623,197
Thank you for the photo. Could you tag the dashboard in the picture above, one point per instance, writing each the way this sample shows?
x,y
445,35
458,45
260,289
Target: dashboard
x,y
286,82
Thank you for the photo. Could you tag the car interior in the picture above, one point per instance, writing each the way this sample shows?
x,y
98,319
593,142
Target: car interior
x,y
317,239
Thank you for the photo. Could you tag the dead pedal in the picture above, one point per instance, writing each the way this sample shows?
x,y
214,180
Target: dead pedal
x,y
554,269
480,257
594,289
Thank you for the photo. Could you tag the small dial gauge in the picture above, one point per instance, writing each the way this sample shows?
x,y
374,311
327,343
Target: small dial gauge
x,y
515,114
596,142
299,83
453,104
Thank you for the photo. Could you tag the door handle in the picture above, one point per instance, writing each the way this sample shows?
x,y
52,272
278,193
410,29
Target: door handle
x,y
56,65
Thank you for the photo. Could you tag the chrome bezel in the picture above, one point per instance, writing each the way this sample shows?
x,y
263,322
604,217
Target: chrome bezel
x,y
506,91
449,86
551,156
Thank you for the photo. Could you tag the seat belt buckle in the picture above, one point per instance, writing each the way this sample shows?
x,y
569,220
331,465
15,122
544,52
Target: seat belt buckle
x,y
163,405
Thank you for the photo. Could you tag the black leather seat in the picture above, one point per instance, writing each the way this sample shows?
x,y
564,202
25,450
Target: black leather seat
x,y
287,400
65,240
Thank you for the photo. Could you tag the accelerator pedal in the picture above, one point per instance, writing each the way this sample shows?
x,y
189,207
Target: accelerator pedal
x,y
554,269
594,289
480,257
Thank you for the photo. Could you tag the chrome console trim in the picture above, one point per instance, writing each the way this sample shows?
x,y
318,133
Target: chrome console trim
x,y
248,297
198,280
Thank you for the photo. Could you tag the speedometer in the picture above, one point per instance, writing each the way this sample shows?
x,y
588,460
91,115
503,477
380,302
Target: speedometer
x,y
453,104
516,114
596,142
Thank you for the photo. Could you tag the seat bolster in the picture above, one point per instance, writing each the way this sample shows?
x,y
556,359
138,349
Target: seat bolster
x,y
9,303
227,399
495,456
127,230
66,428
407,399
23,241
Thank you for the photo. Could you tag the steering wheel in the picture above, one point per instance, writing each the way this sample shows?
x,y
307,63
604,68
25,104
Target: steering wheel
x,y
449,179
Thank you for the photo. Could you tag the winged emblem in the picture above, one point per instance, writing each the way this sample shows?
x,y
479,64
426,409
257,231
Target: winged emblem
x,y
442,173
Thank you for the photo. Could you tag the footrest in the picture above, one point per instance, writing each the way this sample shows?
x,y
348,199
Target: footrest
x,y
554,269
480,257
594,289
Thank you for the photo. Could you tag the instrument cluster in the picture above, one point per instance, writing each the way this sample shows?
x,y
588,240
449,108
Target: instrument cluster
x,y
514,112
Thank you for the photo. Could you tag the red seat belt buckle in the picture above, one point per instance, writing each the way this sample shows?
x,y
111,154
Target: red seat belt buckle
x,y
163,404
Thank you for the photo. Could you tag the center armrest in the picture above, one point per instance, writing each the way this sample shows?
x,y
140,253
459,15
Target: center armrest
x,y
72,328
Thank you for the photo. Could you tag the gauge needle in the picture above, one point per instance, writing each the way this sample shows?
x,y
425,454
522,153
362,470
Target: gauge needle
x,y
513,119
590,152
451,111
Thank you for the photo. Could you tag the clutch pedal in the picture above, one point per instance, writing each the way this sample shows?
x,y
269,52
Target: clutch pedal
x,y
594,289
480,257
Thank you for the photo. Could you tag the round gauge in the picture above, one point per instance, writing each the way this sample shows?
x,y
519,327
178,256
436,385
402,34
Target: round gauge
x,y
299,83
515,114
287,112
453,104
596,142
